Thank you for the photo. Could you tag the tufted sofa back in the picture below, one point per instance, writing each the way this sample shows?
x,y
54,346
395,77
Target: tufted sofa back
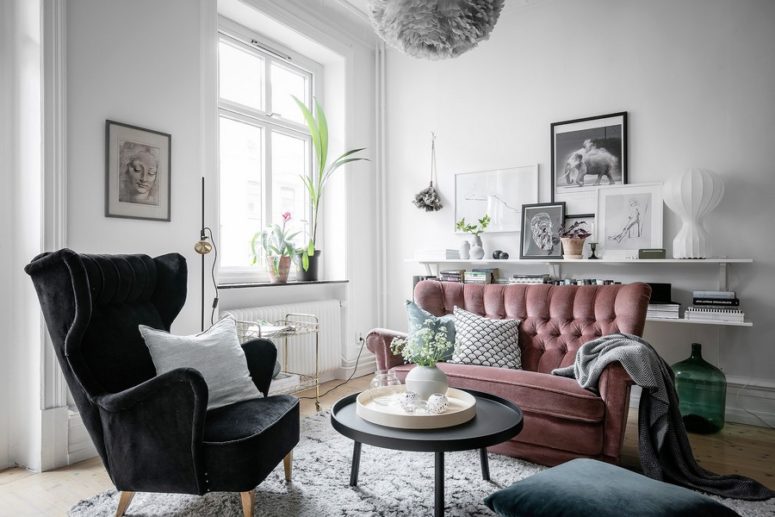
x,y
556,320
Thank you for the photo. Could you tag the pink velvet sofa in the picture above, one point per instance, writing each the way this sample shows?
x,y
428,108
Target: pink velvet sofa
x,y
561,420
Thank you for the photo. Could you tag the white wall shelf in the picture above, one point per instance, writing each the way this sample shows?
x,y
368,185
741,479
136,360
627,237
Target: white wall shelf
x,y
555,266
703,322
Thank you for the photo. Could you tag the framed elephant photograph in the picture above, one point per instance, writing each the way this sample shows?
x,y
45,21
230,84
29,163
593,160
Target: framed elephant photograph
x,y
587,153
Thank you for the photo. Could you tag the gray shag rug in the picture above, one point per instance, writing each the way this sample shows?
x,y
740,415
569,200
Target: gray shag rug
x,y
391,483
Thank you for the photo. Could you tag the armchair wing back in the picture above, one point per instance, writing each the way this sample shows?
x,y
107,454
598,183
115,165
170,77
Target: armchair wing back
x,y
154,432
93,305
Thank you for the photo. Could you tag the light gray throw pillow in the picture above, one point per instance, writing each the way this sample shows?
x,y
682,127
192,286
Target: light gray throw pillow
x,y
216,353
485,341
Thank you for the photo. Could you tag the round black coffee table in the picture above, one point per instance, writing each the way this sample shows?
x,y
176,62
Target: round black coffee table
x,y
496,421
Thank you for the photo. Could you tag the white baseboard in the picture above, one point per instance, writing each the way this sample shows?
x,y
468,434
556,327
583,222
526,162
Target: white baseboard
x,y
54,447
365,367
746,403
79,444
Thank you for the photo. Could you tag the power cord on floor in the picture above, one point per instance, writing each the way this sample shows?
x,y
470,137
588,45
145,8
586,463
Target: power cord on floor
x,y
355,369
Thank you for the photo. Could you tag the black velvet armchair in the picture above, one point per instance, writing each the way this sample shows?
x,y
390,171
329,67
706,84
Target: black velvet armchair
x,y
154,433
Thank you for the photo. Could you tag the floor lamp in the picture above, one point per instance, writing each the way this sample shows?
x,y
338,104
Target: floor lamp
x,y
205,245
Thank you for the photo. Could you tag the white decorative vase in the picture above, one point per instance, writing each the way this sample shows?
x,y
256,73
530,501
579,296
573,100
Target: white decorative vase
x,y
465,250
477,250
692,195
426,380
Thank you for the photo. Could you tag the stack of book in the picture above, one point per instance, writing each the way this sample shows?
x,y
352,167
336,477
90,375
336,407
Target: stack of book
x,y
667,311
452,275
436,254
715,306
530,279
477,277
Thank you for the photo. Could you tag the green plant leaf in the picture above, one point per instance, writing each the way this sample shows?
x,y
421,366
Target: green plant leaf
x,y
305,261
323,132
311,248
313,129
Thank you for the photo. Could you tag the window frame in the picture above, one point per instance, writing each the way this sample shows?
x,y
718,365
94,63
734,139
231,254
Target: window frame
x,y
271,52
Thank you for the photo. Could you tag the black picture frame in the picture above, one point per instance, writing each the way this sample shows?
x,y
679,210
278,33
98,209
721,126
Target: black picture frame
x,y
138,172
569,151
535,218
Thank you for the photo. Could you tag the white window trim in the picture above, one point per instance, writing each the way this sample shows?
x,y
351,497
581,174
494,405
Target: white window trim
x,y
279,53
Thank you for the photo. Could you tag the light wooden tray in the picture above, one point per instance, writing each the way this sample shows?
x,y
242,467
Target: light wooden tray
x,y
375,406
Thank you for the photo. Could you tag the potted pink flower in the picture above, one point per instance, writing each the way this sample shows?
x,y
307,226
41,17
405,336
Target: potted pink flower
x,y
277,245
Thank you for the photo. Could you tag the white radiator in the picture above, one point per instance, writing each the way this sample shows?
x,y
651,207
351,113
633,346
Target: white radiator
x,y
301,349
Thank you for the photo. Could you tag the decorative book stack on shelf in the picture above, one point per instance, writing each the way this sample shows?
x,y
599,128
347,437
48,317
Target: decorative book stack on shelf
x,y
667,311
715,306
452,275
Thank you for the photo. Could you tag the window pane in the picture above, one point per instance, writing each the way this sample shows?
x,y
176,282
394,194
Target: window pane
x,y
289,161
286,82
241,158
241,76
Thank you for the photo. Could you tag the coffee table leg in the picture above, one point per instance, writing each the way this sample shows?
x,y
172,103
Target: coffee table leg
x,y
485,464
438,503
356,463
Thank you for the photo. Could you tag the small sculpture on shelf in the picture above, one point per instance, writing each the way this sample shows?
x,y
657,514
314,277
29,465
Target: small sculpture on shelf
x,y
592,248
477,250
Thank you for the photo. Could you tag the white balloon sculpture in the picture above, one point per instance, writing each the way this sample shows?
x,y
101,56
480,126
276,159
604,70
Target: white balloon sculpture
x,y
692,195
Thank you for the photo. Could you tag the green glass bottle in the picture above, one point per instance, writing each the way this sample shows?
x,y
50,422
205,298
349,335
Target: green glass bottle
x,y
702,392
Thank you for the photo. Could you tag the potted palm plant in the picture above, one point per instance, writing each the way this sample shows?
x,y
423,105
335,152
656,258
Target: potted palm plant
x,y
277,245
316,183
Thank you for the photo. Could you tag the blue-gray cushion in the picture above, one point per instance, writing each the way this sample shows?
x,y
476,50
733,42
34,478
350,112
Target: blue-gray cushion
x,y
584,487
418,317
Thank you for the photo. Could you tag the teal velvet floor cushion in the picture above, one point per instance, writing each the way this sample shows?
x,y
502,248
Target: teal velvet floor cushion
x,y
590,488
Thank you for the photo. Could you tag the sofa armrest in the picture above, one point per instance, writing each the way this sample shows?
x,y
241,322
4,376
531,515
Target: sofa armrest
x,y
153,433
378,342
614,386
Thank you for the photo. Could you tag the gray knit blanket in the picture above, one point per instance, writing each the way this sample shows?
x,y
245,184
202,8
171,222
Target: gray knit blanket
x,y
665,452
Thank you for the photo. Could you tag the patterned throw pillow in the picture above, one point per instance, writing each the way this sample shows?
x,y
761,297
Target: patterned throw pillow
x,y
485,341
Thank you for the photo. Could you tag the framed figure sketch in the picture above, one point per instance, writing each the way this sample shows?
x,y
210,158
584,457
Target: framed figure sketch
x,y
137,172
540,238
629,218
587,153
499,193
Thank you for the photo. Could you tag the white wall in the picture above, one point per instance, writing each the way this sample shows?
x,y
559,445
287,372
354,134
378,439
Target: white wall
x,y
697,78
136,62
20,95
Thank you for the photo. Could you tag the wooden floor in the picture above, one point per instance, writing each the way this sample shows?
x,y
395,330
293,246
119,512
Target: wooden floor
x,y
738,449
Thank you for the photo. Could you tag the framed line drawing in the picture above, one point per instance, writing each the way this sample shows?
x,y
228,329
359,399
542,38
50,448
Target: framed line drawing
x,y
137,172
629,218
540,238
587,153
499,193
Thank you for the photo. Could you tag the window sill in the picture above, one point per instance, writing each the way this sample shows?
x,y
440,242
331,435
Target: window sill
x,y
244,285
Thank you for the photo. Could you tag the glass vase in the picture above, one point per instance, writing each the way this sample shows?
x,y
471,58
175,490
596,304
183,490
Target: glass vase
x,y
702,393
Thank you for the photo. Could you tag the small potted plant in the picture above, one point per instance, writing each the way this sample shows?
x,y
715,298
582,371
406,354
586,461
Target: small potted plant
x,y
477,250
277,245
573,238
425,348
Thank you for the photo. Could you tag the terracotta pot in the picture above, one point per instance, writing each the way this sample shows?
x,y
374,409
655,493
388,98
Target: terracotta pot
x,y
572,248
279,267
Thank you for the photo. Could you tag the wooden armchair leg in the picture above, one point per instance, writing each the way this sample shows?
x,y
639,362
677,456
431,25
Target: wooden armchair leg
x,y
288,464
248,501
123,503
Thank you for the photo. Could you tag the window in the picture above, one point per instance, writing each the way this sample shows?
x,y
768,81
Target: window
x,y
264,145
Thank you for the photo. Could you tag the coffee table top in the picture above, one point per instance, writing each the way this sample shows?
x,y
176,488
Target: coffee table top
x,y
496,421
